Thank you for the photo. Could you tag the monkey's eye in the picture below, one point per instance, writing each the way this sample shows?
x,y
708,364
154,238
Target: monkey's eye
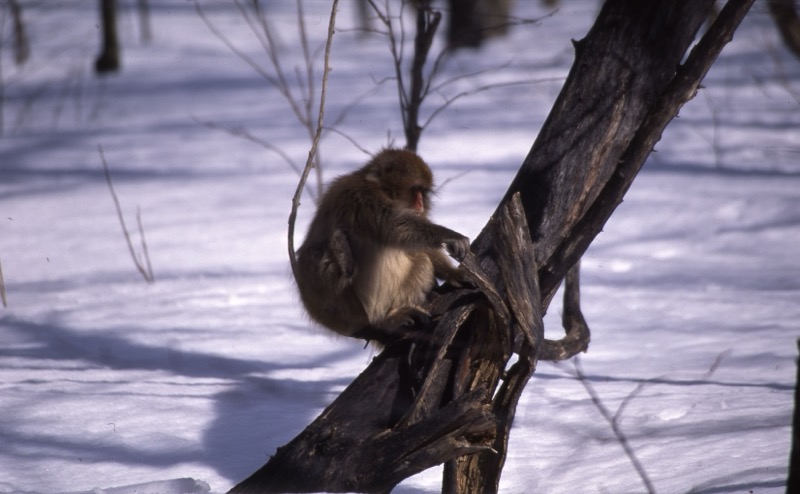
x,y
419,189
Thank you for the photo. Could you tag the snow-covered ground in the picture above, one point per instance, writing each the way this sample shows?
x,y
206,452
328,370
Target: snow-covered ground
x,y
190,383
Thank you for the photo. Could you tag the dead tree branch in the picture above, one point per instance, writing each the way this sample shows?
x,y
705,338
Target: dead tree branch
x,y
311,162
427,24
452,397
300,96
142,265
628,129
3,287
426,417
412,96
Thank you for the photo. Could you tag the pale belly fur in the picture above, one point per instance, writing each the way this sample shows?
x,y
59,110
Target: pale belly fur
x,y
398,280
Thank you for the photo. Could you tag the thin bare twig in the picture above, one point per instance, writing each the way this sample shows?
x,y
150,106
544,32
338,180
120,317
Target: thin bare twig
x,y
299,97
146,253
449,101
309,62
411,99
348,138
239,131
450,179
396,50
145,268
423,82
3,287
279,80
315,141
715,135
247,59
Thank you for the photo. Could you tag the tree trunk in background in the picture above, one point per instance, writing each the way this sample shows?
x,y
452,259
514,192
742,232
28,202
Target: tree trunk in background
x,y
21,46
784,13
452,397
793,482
146,33
108,60
464,26
473,21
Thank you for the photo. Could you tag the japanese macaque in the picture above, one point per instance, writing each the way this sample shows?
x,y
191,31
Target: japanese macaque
x,y
371,255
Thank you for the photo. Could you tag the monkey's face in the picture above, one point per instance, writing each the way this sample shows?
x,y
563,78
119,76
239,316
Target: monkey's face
x,y
412,192
404,177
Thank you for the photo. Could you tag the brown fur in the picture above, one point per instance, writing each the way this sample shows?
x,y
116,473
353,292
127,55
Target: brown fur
x,y
371,256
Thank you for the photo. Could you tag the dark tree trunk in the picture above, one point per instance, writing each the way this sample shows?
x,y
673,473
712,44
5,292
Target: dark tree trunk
x,y
784,13
464,29
21,47
793,482
622,69
473,21
422,403
452,398
108,60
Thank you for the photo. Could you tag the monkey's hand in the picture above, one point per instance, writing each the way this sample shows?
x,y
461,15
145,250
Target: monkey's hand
x,y
409,322
457,247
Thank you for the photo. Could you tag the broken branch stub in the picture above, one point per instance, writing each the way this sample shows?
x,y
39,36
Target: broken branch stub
x,y
507,259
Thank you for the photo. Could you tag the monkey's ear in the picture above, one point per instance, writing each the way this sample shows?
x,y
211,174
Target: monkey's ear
x,y
380,165
373,175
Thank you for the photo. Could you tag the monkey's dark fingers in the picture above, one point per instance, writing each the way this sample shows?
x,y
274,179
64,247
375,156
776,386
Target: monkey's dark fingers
x,y
409,322
387,335
462,283
418,319
375,334
406,318
457,247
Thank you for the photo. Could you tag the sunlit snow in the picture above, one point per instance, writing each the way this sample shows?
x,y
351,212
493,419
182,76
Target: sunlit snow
x,y
187,385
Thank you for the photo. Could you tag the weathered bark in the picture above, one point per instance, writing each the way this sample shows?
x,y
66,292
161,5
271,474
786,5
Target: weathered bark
x,y
450,398
579,192
622,69
624,168
421,403
511,282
